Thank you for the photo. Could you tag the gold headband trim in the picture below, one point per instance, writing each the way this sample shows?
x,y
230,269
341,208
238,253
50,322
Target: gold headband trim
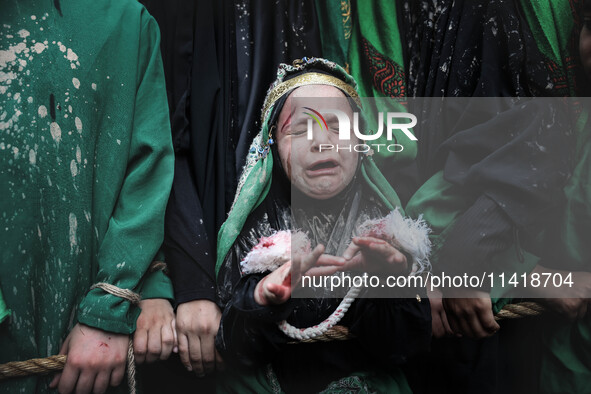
x,y
304,80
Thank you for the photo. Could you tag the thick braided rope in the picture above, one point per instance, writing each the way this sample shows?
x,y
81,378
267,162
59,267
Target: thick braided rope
x,y
509,311
334,333
33,366
519,310
314,332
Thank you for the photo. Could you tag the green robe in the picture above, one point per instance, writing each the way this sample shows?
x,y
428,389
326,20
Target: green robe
x,y
86,169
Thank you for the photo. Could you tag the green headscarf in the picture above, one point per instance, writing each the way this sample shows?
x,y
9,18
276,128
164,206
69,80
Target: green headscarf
x,y
255,180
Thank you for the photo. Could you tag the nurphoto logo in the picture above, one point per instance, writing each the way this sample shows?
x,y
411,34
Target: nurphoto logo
x,y
401,121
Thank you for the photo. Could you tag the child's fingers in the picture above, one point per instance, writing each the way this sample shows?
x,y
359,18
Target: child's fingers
x,y
329,260
357,262
367,241
323,271
388,253
308,261
382,252
351,251
277,294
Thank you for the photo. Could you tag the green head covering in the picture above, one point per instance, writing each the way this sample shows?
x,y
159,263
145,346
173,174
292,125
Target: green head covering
x,y
255,180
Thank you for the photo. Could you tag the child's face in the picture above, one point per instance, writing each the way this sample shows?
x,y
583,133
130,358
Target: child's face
x,y
585,41
318,173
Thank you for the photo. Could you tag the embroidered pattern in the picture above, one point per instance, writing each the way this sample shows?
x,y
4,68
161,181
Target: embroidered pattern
x,y
387,76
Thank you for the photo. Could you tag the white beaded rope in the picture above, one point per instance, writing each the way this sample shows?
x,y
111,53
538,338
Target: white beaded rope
x,y
301,334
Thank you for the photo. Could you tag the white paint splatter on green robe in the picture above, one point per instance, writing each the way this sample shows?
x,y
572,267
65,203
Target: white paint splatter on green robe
x,y
86,166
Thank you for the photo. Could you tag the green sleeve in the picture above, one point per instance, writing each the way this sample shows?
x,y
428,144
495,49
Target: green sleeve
x,y
136,227
157,285
440,203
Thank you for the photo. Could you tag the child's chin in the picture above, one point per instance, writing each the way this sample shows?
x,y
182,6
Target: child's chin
x,y
323,192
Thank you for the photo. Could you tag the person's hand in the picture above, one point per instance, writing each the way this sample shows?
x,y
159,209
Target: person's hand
x,y
369,254
155,335
96,359
574,301
439,324
197,324
571,308
276,287
469,312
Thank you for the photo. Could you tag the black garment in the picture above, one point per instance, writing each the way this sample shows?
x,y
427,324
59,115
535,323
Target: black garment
x,y
219,58
481,48
388,331
512,166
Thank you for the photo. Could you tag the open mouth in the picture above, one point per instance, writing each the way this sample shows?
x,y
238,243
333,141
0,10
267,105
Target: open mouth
x,y
324,165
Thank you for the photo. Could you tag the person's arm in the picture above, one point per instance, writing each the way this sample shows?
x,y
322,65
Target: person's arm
x,y
186,245
97,345
508,190
136,227
191,265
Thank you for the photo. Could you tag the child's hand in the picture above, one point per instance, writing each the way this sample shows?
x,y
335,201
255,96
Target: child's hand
x,y
96,359
276,287
155,335
369,254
